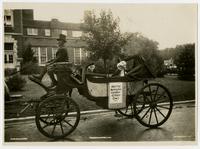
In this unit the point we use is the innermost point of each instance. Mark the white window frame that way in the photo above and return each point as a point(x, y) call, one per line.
point(8, 12)
point(9, 58)
point(36, 53)
point(80, 56)
point(47, 32)
point(54, 50)
point(32, 31)
point(42, 64)
point(7, 55)
point(64, 32)
point(77, 33)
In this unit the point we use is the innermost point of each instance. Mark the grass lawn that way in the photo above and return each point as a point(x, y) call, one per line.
point(180, 90)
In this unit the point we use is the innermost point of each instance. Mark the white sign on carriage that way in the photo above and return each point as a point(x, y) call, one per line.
point(117, 94)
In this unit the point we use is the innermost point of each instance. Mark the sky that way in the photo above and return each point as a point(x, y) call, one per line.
point(168, 24)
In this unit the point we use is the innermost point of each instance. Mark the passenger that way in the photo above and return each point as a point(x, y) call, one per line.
point(91, 68)
point(61, 56)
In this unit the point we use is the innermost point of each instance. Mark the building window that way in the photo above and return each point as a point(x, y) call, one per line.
point(76, 33)
point(8, 46)
point(5, 58)
point(64, 32)
point(8, 58)
point(32, 31)
point(47, 32)
point(80, 54)
point(54, 50)
point(43, 55)
point(8, 17)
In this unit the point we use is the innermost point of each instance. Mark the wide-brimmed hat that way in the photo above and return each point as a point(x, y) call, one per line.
point(62, 37)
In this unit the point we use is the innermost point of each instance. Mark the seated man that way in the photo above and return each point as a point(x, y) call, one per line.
point(61, 56)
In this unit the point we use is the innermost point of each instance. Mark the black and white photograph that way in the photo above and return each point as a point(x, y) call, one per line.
point(100, 73)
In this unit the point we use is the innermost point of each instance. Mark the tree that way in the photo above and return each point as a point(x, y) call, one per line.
point(185, 61)
point(138, 44)
point(28, 54)
point(29, 63)
point(168, 53)
point(103, 36)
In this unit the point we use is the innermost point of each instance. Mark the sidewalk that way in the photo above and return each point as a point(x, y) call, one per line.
point(104, 126)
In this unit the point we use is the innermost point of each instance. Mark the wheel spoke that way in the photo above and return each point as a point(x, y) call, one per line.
point(162, 94)
point(45, 126)
point(156, 93)
point(53, 129)
point(150, 92)
point(68, 123)
point(47, 117)
point(61, 128)
point(160, 112)
point(145, 114)
point(146, 99)
point(155, 115)
point(126, 110)
point(143, 107)
point(163, 107)
point(150, 117)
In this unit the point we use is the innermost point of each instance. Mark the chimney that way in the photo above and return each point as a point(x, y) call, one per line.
point(27, 14)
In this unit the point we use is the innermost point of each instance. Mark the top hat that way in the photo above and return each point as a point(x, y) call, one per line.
point(62, 37)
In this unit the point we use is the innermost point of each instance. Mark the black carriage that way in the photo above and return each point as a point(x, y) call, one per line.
point(133, 95)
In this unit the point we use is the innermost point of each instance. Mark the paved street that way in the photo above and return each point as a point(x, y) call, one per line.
point(105, 126)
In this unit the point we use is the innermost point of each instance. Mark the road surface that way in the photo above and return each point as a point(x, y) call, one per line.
point(105, 127)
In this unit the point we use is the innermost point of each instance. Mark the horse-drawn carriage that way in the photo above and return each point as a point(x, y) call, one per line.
point(57, 114)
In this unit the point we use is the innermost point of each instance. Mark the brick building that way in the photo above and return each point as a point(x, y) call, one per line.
point(13, 37)
point(21, 31)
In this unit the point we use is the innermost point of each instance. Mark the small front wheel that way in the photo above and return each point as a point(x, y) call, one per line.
point(57, 116)
point(153, 105)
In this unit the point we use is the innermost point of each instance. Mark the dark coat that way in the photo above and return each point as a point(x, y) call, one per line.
point(62, 55)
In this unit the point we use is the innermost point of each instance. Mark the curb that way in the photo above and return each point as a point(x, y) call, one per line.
point(84, 112)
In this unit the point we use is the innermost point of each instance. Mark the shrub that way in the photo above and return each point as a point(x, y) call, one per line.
point(9, 71)
point(30, 68)
point(15, 83)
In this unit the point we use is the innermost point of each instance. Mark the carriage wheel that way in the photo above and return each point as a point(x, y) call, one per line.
point(57, 116)
point(153, 105)
point(128, 111)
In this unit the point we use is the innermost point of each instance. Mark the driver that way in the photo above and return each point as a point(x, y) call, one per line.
point(61, 56)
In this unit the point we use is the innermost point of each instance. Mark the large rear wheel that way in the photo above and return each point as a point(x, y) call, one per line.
point(153, 105)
